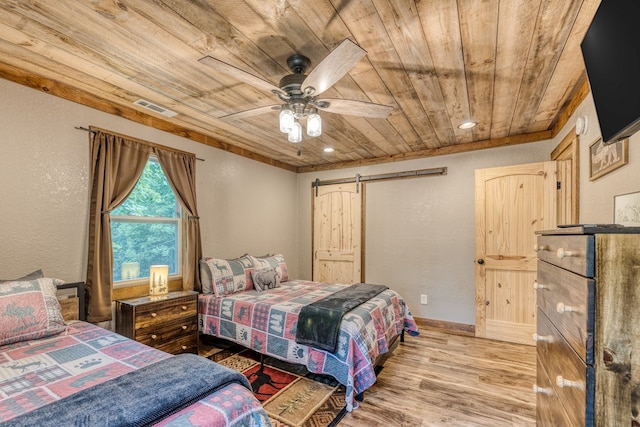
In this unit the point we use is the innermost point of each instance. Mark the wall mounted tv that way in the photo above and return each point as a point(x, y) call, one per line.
point(611, 51)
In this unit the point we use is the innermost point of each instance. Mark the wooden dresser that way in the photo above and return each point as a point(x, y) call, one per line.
point(588, 331)
point(168, 323)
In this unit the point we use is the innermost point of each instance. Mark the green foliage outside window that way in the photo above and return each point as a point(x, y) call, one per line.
point(145, 229)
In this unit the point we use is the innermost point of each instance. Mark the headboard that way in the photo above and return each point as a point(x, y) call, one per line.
point(72, 300)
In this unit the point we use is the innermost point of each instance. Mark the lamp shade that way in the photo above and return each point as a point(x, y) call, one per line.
point(295, 135)
point(314, 124)
point(286, 119)
point(158, 280)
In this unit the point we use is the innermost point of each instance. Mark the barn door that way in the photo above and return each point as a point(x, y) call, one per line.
point(511, 204)
point(337, 233)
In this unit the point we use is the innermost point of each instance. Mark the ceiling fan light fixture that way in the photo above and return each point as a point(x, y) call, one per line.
point(467, 125)
point(314, 123)
point(286, 119)
point(295, 134)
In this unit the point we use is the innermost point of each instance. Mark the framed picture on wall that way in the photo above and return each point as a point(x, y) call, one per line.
point(626, 209)
point(607, 158)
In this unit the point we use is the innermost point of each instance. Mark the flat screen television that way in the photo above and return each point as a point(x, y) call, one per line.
point(611, 51)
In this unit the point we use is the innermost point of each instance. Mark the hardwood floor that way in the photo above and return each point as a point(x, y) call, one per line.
point(441, 379)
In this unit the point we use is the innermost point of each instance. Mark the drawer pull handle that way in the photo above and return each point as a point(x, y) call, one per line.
point(538, 247)
point(537, 285)
point(543, 390)
point(184, 327)
point(154, 314)
point(154, 336)
point(543, 338)
point(561, 308)
point(562, 382)
point(184, 307)
point(184, 347)
point(562, 253)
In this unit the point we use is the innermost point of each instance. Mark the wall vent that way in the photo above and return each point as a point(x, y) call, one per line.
point(155, 107)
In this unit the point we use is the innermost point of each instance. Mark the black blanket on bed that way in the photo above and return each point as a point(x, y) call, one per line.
point(138, 398)
point(319, 322)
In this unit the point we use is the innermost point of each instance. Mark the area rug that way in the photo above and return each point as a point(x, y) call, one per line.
point(291, 396)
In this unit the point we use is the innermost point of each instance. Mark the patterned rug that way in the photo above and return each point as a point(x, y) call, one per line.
point(291, 396)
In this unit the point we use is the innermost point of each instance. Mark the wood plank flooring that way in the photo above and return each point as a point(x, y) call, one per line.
point(441, 379)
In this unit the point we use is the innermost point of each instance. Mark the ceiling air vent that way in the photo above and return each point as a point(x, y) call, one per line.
point(155, 107)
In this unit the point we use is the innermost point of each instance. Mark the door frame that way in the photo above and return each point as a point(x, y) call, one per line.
point(569, 150)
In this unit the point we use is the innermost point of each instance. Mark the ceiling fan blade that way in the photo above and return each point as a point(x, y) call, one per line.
point(334, 66)
point(239, 74)
point(251, 113)
point(355, 108)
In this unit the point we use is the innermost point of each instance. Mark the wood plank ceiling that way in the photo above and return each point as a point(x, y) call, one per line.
point(512, 66)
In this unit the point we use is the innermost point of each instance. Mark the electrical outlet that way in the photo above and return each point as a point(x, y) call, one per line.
point(423, 299)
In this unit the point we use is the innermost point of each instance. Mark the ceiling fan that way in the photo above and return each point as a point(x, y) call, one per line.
point(300, 93)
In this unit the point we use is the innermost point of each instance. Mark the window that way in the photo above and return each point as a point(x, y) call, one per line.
point(147, 228)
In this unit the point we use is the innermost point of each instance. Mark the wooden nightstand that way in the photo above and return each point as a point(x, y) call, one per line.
point(169, 324)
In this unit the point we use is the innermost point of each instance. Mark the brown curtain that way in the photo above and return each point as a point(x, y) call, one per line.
point(180, 170)
point(116, 165)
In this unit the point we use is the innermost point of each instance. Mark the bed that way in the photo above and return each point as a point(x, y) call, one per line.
point(251, 301)
point(57, 372)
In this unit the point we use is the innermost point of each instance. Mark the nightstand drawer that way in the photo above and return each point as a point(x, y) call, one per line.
point(567, 300)
point(165, 311)
point(573, 253)
point(183, 345)
point(157, 335)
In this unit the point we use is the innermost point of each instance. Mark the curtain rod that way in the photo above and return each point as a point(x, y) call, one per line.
point(136, 139)
point(385, 176)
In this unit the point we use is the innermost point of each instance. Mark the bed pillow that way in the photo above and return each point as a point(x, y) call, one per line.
point(274, 261)
point(38, 274)
point(29, 310)
point(229, 276)
point(205, 276)
point(265, 278)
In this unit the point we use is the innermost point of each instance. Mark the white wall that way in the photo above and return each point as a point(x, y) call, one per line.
point(596, 197)
point(420, 231)
point(245, 206)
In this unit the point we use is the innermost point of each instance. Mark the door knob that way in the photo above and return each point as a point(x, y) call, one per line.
point(480, 261)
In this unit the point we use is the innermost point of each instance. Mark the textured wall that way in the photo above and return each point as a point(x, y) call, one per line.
point(420, 231)
point(245, 206)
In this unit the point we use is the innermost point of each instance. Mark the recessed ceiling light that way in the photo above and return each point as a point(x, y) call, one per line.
point(467, 125)
point(329, 150)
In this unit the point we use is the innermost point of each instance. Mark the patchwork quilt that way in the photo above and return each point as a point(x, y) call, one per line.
point(266, 322)
point(35, 373)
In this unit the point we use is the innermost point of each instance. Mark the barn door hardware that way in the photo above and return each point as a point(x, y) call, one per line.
point(381, 177)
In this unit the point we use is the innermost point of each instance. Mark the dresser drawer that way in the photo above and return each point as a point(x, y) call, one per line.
point(549, 410)
point(165, 311)
point(567, 372)
point(573, 253)
point(568, 301)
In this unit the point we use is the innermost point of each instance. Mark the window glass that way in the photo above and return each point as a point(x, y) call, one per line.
point(146, 228)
